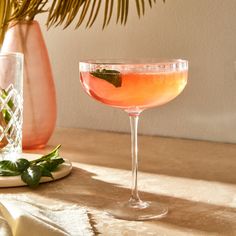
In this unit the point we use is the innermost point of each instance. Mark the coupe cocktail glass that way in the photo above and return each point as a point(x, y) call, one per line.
point(134, 86)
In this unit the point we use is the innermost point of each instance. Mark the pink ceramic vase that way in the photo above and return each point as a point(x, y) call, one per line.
point(39, 114)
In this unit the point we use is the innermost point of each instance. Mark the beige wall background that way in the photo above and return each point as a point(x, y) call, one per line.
point(202, 31)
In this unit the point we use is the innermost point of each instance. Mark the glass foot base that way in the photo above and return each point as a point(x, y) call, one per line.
point(138, 211)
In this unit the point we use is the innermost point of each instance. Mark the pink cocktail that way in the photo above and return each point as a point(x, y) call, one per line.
point(134, 87)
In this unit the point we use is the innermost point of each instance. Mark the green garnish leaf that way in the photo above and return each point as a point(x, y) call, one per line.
point(111, 76)
point(32, 171)
point(32, 176)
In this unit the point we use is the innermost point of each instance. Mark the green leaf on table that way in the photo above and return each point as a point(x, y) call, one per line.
point(7, 172)
point(8, 168)
point(32, 176)
point(13, 167)
point(32, 171)
point(51, 164)
point(22, 164)
point(45, 172)
point(52, 155)
point(111, 76)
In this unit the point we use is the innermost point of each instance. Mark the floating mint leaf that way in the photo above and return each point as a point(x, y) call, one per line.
point(111, 76)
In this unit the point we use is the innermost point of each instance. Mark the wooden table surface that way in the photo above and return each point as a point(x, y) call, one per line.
point(196, 179)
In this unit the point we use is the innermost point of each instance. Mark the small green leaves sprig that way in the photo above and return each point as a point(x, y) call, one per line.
point(111, 76)
point(32, 171)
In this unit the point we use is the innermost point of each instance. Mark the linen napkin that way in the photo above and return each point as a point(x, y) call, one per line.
point(20, 218)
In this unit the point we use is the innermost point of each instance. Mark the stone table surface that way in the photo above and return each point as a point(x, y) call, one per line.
point(196, 179)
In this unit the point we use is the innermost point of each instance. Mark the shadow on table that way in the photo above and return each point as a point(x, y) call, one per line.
point(83, 188)
point(188, 160)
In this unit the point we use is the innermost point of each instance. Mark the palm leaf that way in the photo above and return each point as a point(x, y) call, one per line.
point(84, 12)
point(91, 20)
point(64, 12)
point(17, 10)
point(118, 11)
point(126, 11)
point(143, 6)
point(72, 13)
point(27, 9)
point(5, 13)
point(106, 13)
point(122, 11)
point(89, 9)
point(110, 12)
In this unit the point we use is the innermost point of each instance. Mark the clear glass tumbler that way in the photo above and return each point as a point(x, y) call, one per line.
point(11, 104)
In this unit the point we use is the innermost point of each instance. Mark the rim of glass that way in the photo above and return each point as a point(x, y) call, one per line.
point(162, 65)
point(12, 54)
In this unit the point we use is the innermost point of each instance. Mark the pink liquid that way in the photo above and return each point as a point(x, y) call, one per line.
point(138, 90)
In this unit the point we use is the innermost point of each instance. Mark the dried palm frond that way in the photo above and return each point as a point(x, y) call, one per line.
point(5, 14)
point(27, 9)
point(65, 11)
point(18, 10)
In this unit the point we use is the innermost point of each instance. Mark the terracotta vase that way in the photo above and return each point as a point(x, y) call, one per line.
point(39, 115)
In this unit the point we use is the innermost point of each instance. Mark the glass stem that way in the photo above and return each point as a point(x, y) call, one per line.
point(134, 117)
